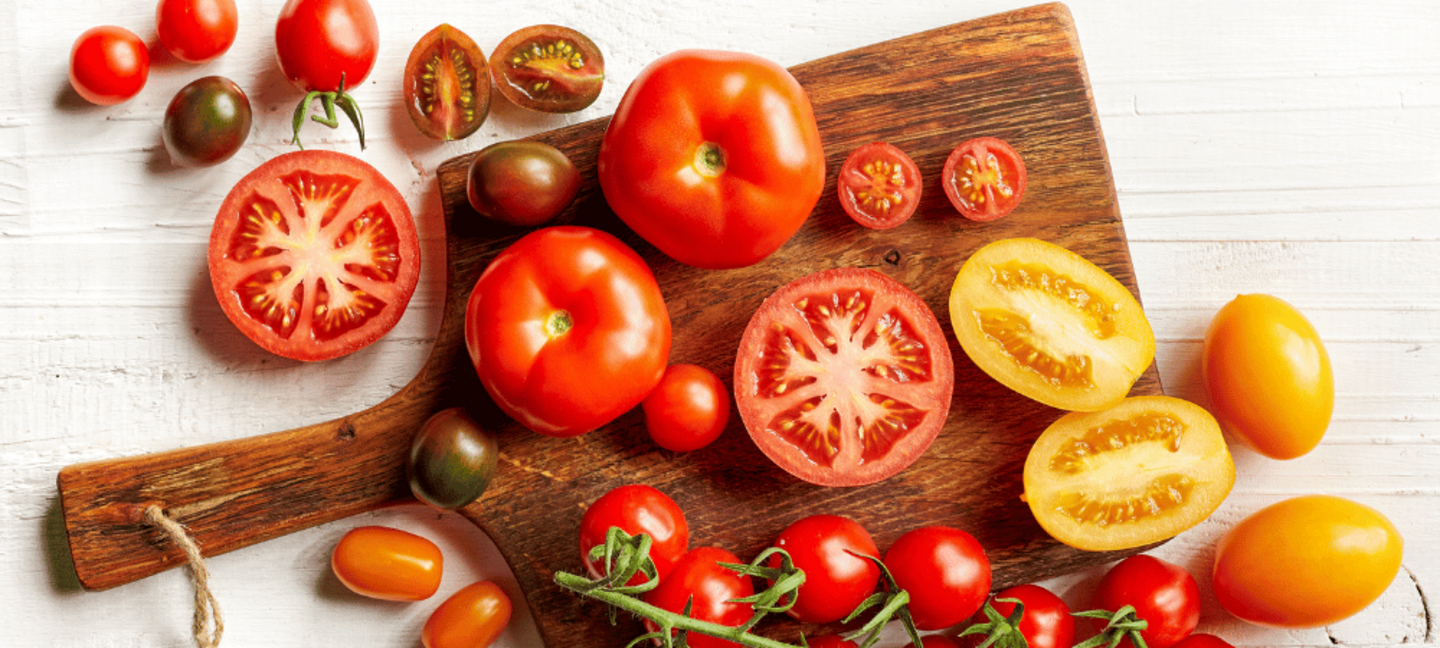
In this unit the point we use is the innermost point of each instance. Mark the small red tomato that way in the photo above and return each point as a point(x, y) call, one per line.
point(1044, 623)
point(389, 564)
point(946, 572)
point(830, 641)
point(688, 409)
point(196, 31)
point(108, 65)
point(879, 186)
point(1163, 594)
point(837, 580)
point(984, 178)
point(471, 618)
point(635, 509)
point(937, 641)
point(700, 581)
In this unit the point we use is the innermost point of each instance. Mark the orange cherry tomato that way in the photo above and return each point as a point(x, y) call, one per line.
point(389, 564)
point(471, 618)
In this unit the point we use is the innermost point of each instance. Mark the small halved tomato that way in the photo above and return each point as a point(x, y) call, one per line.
point(843, 377)
point(1049, 324)
point(446, 87)
point(314, 255)
point(879, 186)
point(1137, 473)
point(548, 68)
point(984, 178)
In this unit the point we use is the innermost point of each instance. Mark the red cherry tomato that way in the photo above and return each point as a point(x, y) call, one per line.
point(843, 377)
point(471, 618)
point(1163, 594)
point(688, 409)
point(713, 157)
point(636, 509)
point(1044, 623)
point(699, 580)
point(984, 178)
point(319, 41)
point(314, 255)
point(108, 65)
point(836, 579)
point(196, 31)
point(830, 641)
point(946, 572)
point(937, 641)
point(879, 186)
point(389, 564)
point(567, 330)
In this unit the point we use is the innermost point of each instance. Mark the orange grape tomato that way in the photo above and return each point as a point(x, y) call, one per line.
point(388, 564)
point(471, 618)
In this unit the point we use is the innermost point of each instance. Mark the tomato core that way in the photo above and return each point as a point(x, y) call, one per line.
point(559, 323)
point(710, 160)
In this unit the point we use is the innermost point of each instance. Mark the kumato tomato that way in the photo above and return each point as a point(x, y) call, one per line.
point(452, 460)
point(879, 186)
point(1139, 472)
point(108, 65)
point(471, 618)
point(548, 68)
point(522, 183)
point(843, 377)
point(446, 86)
point(207, 122)
point(1050, 324)
point(1306, 562)
point(1268, 376)
point(388, 564)
point(984, 178)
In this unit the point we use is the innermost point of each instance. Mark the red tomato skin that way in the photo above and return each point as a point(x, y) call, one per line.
point(699, 575)
point(611, 353)
point(688, 409)
point(388, 564)
point(636, 508)
point(1046, 623)
point(830, 641)
point(108, 65)
point(836, 581)
point(1202, 640)
point(651, 168)
point(946, 572)
point(471, 618)
point(319, 41)
point(196, 31)
point(1163, 593)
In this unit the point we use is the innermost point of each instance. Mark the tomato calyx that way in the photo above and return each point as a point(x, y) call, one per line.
point(1000, 631)
point(559, 323)
point(329, 101)
point(1124, 623)
point(710, 160)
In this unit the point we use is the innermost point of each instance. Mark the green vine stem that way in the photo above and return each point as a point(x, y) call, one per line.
point(1121, 624)
point(329, 101)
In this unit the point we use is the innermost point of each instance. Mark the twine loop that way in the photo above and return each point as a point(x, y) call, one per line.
point(207, 625)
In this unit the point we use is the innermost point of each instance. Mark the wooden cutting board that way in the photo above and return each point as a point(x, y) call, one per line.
point(1018, 76)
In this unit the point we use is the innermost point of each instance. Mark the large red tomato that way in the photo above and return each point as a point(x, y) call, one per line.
point(568, 330)
point(713, 157)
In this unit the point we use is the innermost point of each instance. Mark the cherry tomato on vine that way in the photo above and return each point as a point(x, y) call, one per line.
point(325, 48)
point(879, 186)
point(830, 641)
point(946, 572)
point(522, 183)
point(207, 122)
point(688, 409)
point(548, 68)
point(699, 579)
point(446, 87)
point(836, 579)
point(452, 460)
point(984, 178)
point(1163, 594)
point(196, 31)
point(636, 509)
point(471, 618)
point(388, 564)
point(1045, 620)
point(108, 65)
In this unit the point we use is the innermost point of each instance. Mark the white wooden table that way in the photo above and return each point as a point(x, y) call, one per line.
point(1290, 148)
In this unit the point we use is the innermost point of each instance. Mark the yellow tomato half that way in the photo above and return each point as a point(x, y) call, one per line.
point(1306, 562)
point(1050, 324)
point(1137, 473)
point(1268, 376)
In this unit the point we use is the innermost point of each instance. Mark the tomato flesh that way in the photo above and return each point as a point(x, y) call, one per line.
point(446, 88)
point(548, 68)
point(984, 178)
point(879, 186)
point(843, 377)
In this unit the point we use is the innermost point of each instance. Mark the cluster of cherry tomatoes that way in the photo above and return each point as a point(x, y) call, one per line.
point(879, 185)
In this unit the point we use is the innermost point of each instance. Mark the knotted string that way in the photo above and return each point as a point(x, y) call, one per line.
point(207, 625)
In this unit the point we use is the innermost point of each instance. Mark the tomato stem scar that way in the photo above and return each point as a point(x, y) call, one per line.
point(710, 159)
point(559, 323)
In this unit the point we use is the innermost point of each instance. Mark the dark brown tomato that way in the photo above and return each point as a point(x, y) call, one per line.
point(206, 122)
point(447, 84)
point(521, 183)
point(548, 68)
point(452, 460)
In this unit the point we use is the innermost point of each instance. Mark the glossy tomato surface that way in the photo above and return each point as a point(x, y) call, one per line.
point(446, 85)
point(1163, 594)
point(314, 255)
point(389, 564)
point(946, 572)
point(636, 509)
point(843, 377)
point(984, 178)
point(108, 65)
point(713, 157)
point(319, 42)
point(1045, 620)
point(548, 68)
point(1050, 324)
point(879, 186)
point(1268, 376)
point(470, 618)
point(452, 460)
point(207, 122)
point(522, 183)
point(196, 31)
point(688, 409)
point(1307, 561)
point(567, 330)
point(1137, 473)
point(837, 579)
point(699, 580)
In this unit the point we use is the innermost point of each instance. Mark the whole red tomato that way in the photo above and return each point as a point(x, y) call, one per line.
point(325, 47)
point(196, 31)
point(688, 409)
point(837, 580)
point(946, 572)
point(568, 330)
point(713, 157)
point(635, 509)
point(698, 579)
point(1045, 620)
point(1164, 595)
point(108, 65)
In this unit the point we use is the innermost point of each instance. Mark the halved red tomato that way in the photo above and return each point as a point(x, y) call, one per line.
point(313, 255)
point(548, 68)
point(984, 178)
point(843, 377)
point(446, 87)
point(879, 186)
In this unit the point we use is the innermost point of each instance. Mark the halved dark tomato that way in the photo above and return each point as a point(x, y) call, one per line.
point(879, 186)
point(843, 377)
point(313, 255)
point(984, 178)
point(548, 68)
point(447, 84)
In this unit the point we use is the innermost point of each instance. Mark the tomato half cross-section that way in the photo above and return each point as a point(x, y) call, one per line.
point(567, 330)
point(843, 377)
point(713, 157)
point(313, 255)
point(984, 178)
point(1050, 324)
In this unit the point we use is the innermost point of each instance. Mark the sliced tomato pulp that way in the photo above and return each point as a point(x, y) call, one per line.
point(314, 255)
point(879, 186)
point(843, 377)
